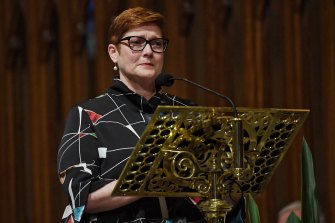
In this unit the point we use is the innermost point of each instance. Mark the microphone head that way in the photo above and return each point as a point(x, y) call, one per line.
point(164, 80)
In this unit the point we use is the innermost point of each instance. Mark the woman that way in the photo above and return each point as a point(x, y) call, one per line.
point(101, 133)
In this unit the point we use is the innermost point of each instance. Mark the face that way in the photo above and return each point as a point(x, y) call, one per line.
point(141, 67)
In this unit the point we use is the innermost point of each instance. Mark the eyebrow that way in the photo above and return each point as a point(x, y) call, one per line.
point(155, 37)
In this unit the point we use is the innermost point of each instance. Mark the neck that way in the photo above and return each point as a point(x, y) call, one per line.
point(145, 88)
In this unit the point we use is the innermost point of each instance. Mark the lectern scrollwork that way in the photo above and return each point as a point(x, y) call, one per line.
point(189, 151)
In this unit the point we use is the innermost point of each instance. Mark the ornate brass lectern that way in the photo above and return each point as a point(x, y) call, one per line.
point(189, 151)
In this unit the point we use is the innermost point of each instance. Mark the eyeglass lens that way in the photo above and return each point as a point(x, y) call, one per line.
point(138, 43)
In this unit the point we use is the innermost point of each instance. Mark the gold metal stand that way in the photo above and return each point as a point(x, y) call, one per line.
point(193, 151)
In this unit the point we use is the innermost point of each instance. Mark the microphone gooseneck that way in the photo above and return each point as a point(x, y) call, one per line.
point(168, 80)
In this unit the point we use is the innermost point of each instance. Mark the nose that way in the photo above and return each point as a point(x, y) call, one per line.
point(147, 49)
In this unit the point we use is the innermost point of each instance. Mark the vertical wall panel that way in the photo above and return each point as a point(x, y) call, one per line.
point(179, 29)
point(249, 54)
point(12, 137)
point(66, 75)
point(2, 101)
point(4, 5)
point(211, 46)
point(291, 73)
point(42, 111)
point(175, 56)
point(75, 78)
point(105, 11)
point(80, 70)
point(37, 116)
point(327, 34)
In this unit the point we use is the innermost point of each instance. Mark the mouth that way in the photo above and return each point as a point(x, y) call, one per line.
point(147, 64)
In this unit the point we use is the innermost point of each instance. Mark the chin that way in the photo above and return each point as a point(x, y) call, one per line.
point(149, 74)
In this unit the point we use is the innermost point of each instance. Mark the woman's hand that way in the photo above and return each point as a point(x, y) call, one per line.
point(101, 200)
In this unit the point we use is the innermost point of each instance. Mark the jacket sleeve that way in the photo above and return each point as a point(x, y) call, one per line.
point(78, 162)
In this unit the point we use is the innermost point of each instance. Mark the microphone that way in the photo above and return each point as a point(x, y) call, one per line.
point(167, 80)
point(164, 80)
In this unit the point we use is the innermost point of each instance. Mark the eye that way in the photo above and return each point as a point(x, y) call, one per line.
point(157, 42)
point(136, 40)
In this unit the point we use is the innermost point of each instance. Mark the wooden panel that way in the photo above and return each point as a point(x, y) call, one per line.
point(175, 57)
point(42, 108)
point(327, 33)
point(2, 118)
point(291, 72)
point(12, 150)
point(38, 122)
point(248, 59)
point(105, 11)
point(65, 44)
point(75, 78)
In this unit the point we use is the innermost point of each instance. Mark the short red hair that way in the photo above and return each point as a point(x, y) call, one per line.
point(132, 18)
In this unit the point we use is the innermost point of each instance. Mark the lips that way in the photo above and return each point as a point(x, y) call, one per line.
point(147, 64)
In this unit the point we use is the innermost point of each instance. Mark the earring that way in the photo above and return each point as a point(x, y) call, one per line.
point(115, 67)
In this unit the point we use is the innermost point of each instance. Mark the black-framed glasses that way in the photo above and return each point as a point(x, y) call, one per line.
point(137, 43)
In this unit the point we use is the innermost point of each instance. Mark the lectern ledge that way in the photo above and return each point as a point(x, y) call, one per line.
point(190, 151)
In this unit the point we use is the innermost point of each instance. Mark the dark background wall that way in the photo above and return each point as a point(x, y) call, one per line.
point(261, 53)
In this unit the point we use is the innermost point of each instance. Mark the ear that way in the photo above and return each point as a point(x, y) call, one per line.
point(113, 52)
